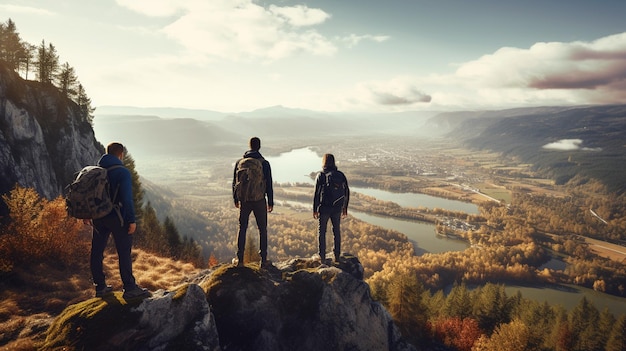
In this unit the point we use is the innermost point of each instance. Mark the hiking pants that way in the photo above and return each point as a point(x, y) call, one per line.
point(260, 214)
point(334, 214)
point(102, 228)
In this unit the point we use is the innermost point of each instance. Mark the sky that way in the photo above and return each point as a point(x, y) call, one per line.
point(335, 55)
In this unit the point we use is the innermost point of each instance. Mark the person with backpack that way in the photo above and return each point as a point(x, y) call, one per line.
point(330, 201)
point(120, 223)
point(252, 183)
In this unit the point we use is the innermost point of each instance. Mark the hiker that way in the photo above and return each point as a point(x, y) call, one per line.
point(120, 223)
point(252, 182)
point(330, 201)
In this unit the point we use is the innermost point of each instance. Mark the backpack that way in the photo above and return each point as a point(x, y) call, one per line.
point(334, 189)
point(250, 183)
point(89, 196)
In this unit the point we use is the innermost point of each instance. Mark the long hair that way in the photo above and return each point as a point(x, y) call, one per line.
point(328, 161)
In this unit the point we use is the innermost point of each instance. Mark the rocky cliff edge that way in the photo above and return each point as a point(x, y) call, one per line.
point(293, 305)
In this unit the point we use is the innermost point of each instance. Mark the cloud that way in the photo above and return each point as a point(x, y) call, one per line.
point(354, 39)
point(569, 145)
point(240, 30)
point(400, 92)
point(588, 72)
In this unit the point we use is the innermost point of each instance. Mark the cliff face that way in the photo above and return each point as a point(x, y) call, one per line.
point(43, 140)
point(293, 305)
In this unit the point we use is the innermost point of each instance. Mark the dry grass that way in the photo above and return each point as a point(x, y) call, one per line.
point(31, 297)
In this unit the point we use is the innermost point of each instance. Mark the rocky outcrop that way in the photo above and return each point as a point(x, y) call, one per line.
point(43, 139)
point(295, 305)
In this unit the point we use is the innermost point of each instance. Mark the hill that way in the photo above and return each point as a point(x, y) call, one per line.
point(575, 143)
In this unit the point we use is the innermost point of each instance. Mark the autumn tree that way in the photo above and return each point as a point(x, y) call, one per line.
point(513, 336)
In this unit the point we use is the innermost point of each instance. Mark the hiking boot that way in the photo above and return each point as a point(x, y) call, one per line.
point(136, 292)
point(266, 264)
point(108, 289)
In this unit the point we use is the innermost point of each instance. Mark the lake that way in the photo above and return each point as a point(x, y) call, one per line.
point(296, 165)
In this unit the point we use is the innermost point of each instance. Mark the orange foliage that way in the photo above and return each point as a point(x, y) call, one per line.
point(40, 230)
point(456, 332)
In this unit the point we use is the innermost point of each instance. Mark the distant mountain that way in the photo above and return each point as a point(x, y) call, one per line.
point(588, 141)
point(152, 137)
point(155, 130)
point(164, 112)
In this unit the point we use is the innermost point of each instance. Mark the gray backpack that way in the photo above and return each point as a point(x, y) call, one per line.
point(89, 195)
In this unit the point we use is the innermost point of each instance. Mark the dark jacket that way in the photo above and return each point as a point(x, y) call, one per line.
point(120, 177)
point(319, 185)
point(267, 174)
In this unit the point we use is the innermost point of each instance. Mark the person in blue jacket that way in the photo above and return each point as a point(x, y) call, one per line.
point(120, 223)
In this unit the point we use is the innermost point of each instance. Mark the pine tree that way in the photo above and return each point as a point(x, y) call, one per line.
point(406, 306)
point(583, 320)
point(458, 303)
point(172, 237)
point(617, 337)
point(491, 307)
point(47, 62)
point(12, 50)
point(84, 104)
point(66, 81)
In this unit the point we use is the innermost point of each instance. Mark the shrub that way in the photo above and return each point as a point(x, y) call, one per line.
point(39, 231)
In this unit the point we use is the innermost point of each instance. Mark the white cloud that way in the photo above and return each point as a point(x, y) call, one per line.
point(569, 145)
point(354, 39)
point(240, 30)
point(300, 16)
point(588, 72)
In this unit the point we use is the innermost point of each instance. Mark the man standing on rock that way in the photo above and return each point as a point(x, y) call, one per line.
point(252, 183)
point(120, 223)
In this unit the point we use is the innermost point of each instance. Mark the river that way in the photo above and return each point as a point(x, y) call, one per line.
point(296, 165)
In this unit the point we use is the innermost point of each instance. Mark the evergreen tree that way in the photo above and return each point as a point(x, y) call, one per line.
point(47, 62)
point(584, 320)
point(491, 307)
point(84, 104)
point(66, 81)
point(172, 237)
point(12, 50)
point(458, 303)
point(151, 235)
point(29, 54)
point(406, 305)
point(617, 337)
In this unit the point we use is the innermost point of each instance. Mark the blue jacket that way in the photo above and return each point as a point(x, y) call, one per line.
point(267, 174)
point(120, 177)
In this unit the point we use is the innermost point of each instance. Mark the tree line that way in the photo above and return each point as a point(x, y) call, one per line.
point(43, 60)
point(486, 319)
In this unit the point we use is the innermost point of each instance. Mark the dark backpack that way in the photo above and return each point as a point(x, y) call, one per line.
point(334, 189)
point(89, 195)
point(250, 182)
